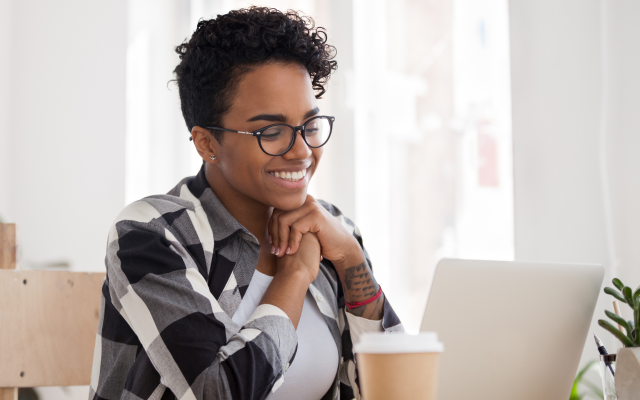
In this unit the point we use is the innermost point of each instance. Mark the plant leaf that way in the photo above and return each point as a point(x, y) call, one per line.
point(576, 382)
point(595, 389)
point(636, 316)
point(617, 283)
point(618, 320)
point(614, 293)
point(630, 332)
point(628, 295)
point(574, 390)
point(584, 370)
point(636, 294)
point(625, 340)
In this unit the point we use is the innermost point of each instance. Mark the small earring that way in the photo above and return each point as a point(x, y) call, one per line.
point(213, 158)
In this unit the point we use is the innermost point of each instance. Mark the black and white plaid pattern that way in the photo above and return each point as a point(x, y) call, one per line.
point(178, 266)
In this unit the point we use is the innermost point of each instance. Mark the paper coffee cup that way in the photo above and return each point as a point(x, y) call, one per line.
point(398, 366)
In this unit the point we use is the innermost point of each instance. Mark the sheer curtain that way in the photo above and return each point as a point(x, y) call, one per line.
point(433, 139)
point(421, 153)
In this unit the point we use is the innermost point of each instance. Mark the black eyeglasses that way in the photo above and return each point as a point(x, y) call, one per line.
point(277, 139)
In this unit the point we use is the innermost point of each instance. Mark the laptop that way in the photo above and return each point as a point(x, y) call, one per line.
point(511, 330)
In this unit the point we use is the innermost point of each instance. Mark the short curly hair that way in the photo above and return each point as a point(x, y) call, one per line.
point(222, 49)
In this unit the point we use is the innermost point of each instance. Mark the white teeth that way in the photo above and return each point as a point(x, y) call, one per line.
point(290, 176)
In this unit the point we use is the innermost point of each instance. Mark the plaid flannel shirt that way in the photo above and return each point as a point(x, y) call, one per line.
point(178, 266)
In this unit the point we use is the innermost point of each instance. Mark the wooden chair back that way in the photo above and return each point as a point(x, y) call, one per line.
point(48, 323)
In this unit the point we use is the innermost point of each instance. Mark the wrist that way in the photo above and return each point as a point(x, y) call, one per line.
point(297, 276)
point(354, 256)
point(362, 303)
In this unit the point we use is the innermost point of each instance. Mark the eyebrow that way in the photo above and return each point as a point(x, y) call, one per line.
point(280, 117)
point(311, 113)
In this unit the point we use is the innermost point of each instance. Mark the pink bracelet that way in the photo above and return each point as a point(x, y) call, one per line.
point(364, 303)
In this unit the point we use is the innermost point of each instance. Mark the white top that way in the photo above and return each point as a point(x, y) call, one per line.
point(314, 368)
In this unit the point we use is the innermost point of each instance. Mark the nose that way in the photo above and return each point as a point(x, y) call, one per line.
point(300, 150)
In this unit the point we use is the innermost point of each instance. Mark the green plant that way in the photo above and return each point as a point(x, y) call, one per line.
point(626, 295)
point(594, 390)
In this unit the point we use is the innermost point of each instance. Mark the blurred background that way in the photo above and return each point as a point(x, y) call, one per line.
point(485, 129)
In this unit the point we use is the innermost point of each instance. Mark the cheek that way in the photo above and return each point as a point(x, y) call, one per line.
point(244, 165)
point(317, 155)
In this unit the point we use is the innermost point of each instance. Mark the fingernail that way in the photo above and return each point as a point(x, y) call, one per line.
point(270, 241)
point(278, 252)
point(288, 250)
point(273, 249)
point(321, 258)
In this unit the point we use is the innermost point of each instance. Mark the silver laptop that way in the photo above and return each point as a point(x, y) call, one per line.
point(511, 330)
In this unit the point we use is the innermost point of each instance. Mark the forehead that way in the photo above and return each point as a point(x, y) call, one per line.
point(274, 88)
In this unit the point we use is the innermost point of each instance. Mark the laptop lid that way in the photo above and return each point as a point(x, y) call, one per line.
point(511, 330)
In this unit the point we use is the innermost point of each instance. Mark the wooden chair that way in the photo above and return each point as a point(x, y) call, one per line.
point(48, 323)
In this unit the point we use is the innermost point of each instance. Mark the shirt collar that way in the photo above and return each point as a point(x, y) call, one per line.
point(223, 225)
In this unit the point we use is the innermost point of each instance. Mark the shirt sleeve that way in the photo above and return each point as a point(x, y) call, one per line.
point(198, 351)
point(359, 326)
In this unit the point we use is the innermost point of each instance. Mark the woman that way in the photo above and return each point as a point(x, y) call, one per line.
point(237, 284)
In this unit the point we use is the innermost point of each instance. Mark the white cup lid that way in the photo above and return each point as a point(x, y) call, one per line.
point(381, 343)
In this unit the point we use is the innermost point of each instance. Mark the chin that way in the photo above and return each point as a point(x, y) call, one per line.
point(291, 202)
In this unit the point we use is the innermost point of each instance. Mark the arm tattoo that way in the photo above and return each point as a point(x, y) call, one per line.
point(361, 285)
point(360, 282)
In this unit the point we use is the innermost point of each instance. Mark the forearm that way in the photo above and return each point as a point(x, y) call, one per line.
point(359, 284)
point(287, 291)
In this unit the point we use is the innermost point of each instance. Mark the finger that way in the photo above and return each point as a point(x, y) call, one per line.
point(273, 230)
point(308, 223)
point(283, 236)
point(285, 222)
point(295, 236)
point(282, 225)
point(299, 227)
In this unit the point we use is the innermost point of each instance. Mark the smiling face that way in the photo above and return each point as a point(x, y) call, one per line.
point(242, 172)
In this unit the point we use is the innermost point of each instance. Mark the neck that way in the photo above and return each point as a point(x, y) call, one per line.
point(251, 214)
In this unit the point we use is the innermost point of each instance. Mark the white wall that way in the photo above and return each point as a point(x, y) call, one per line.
point(6, 38)
point(557, 89)
point(624, 133)
point(62, 125)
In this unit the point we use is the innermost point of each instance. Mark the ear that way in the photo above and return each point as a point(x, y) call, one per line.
point(205, 144)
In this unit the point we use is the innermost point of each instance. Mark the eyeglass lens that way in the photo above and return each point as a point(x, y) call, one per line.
point(277, 139)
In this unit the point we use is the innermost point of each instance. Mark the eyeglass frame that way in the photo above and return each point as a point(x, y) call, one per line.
point(257, 133)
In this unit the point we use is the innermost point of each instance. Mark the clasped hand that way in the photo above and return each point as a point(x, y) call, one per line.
point(286, 229)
